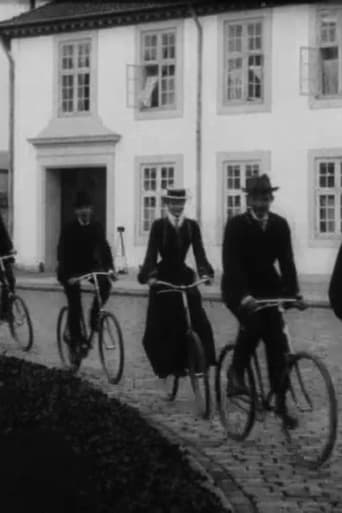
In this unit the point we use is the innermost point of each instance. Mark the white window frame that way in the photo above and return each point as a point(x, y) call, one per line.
point(168, 111)
point(225, 106)
point(317, 238)
point(153, 161)
point(223, 159)
point(75, 39)
point(310, 58)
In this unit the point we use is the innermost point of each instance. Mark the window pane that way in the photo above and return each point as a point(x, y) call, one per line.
point(67, 57)
point(329, 69)
point(167, 177)
point(328, 29)
point(168, 45)
point(235, 38)
point(234, 79)
point(149, 212)
point(327, 213)
point(254, 36)
point(326, 176)
point(150, 47)
point(255, 77)
point(252, 170)
point(84, 55)
point(233, 206)
point(233, 177)
point(150, 179)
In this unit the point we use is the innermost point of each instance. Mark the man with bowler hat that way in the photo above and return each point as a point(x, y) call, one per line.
point(253, 243)
point(83, 248)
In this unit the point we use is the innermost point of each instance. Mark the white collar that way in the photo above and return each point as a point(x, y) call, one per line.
point(82, 223)
point(262, 220)
point(172, 219)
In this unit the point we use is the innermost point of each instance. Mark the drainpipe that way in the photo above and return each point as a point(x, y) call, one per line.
point(6, 44)
point(198, 115)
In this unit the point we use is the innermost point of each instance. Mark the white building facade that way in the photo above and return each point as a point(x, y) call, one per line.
point(112, 106)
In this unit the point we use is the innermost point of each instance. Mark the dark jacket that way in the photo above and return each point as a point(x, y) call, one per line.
point(172, 247)
point(249, 257)
point(82, 249)
point(335, 286)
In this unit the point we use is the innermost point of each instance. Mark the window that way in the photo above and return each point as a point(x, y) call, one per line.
point(244, 61)
point(328, 195)
point(244, 69)
point(235, 175)
point(154, 84)
point(321, 66)
point(155, 180)
point(74, 77)
point(154, 174)
point(158, 69)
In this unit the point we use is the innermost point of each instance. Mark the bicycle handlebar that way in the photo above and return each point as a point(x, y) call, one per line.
point(276, 302)
point(180, 288)
point(89, 276)
point(7, 257)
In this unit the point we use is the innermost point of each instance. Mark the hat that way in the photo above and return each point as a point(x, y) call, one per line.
point(82, 199)
point(259, 184)
point(179, 194)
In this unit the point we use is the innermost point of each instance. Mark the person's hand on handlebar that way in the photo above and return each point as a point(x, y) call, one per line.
point(300, 303)
point(208, 279)
point(112, 275)
point(72, 280)
point(151, 282)
point(249, 304)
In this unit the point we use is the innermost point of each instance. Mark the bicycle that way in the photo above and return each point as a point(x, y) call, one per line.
point(110, 339)
point(18, 319)
point(309, 393)
point(197, 367)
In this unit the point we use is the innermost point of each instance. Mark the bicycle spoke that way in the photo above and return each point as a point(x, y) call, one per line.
point(198, 374)
point(311, 398)
point(20, 323)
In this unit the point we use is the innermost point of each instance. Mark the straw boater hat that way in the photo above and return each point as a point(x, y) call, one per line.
point(259, 185)
point(179, 194)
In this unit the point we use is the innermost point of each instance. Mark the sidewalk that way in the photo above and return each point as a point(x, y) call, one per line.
point(313, 287)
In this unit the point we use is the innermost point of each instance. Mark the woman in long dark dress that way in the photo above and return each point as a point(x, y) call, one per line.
point(170, 239)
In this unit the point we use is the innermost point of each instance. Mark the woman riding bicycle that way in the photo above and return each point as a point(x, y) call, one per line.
point(164, 338)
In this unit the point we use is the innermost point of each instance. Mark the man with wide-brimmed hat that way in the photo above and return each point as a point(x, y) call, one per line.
point(82, 249)
point(253, 243)
point(170, 239)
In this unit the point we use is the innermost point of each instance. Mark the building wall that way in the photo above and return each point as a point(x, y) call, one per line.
point(286, 134)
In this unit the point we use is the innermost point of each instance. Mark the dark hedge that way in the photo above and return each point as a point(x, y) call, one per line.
point(66, 447)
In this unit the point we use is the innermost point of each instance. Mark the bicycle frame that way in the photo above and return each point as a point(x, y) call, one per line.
point(182, 289)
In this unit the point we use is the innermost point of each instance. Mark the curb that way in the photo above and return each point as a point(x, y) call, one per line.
point(141, 291)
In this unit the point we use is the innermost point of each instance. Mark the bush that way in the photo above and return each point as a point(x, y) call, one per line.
point(66, 447)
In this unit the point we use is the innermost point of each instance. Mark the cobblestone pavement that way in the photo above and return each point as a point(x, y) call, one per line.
point(256, 475)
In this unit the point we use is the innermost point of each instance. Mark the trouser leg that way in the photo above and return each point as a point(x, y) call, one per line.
point(246, 341)
point(276, 349)
point(73, 294)
point(5, 302)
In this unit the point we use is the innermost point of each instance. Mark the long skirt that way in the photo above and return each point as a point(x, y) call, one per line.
point(165, 334)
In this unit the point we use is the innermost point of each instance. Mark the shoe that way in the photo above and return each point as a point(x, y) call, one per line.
point(289, 421)
point(236, 384)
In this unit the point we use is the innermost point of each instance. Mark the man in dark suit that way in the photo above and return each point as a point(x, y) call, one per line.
point(253, 243)
point(82, 249)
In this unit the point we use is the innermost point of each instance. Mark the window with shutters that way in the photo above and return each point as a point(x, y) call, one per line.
point(321, 64)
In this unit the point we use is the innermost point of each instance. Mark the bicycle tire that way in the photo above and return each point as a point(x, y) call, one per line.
point(110, 342)
point(171, 385)
point(70, 359)
point(19, 318)
point(232, 407)
point(198, 373)
point(315, 404)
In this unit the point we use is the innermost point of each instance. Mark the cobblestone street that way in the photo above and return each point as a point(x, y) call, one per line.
point(256, 475)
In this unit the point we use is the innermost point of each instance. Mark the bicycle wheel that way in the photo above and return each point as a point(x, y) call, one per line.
point(311, 397)
point(171, 384)
point(20, 323)
point(198, 374)
point(111, 347)
point(70, 359)
point(236, 412)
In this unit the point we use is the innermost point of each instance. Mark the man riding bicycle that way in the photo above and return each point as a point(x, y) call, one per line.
point(82, 249)
point(6, 247)
point(253, 243)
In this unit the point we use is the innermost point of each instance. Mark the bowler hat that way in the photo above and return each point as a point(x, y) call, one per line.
point(82, 199)
point(259, 184)
point(177, 194)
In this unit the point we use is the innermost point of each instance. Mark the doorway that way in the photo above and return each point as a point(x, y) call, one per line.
point(61, 188)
